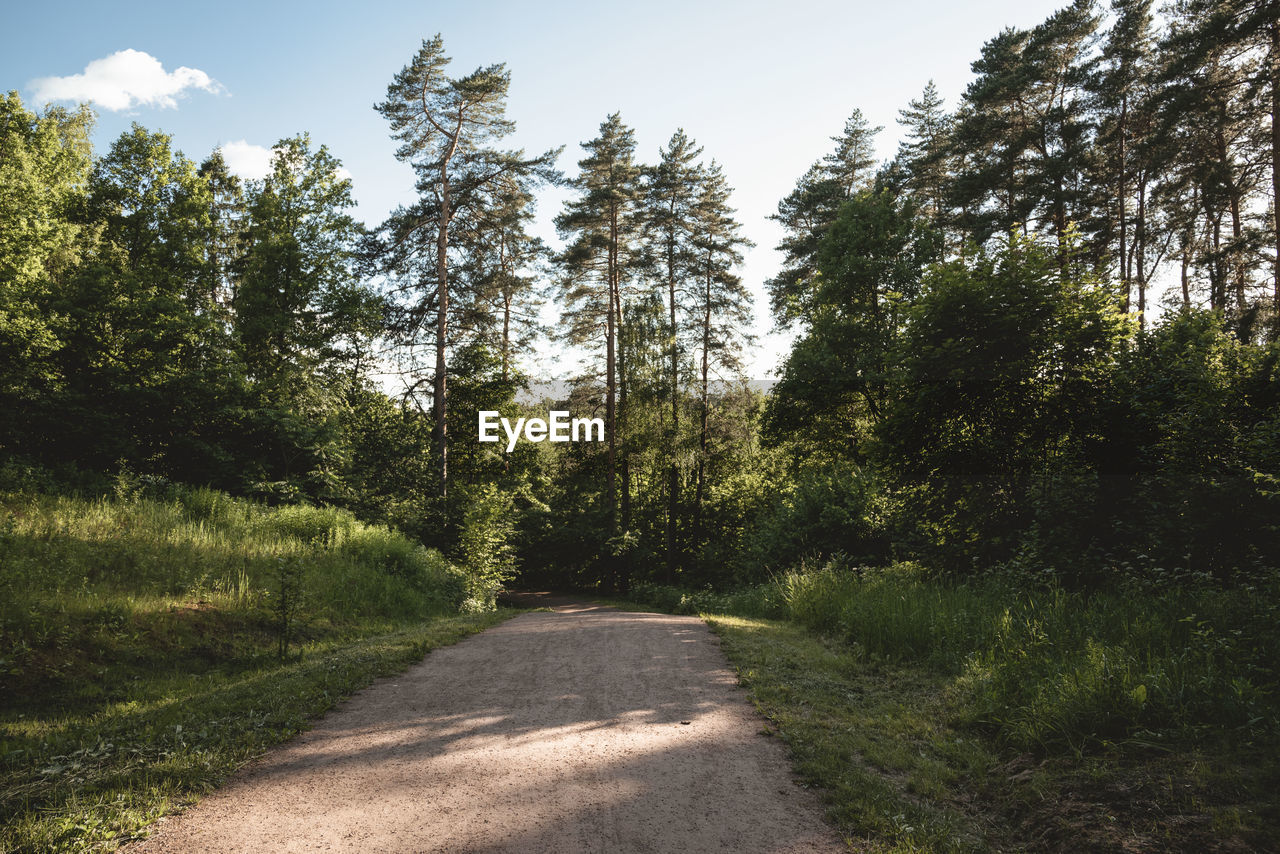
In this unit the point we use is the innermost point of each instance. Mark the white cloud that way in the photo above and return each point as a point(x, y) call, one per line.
point(246, 159)
point(124, 79)
point(254, 161)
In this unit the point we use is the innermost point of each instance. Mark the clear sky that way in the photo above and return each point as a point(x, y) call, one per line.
point(762, 86)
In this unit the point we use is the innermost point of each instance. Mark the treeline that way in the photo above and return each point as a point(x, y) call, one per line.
point(983, 376)
point(165, 319)
point(980, 379)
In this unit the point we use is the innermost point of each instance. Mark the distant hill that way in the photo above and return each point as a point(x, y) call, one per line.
point(557, 390)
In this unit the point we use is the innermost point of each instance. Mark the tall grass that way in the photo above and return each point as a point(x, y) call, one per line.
point(151, 645)
point(81, 576)
point(1046, 668)
point(1049, 668)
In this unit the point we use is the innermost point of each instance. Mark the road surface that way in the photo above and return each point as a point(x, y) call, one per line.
point(581, 729)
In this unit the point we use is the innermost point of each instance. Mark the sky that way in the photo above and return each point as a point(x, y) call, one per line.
point(761, 86)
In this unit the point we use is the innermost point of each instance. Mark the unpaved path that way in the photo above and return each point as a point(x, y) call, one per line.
point(582, 729)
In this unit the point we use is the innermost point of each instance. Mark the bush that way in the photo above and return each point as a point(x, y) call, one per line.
point(836, 510)
point(485, 550)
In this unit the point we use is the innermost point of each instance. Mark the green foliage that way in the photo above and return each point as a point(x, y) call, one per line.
point(839, 509)
point(899, 768)
point(68, 559)
point(1048, 669)
point(43, 177)
point(873, 738)
point(485, 550)
point(1194, 455)
point(835, 383)
point(764, 600)
point(995, 408)
point(1042, 668)
point(808, 211)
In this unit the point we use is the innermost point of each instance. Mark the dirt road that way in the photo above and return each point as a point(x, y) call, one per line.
point(583, 729)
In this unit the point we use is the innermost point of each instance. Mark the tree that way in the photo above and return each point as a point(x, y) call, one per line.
point(721, 307)
point(300, 311)
point(227, 209)
point(599, 229)
point(808, 210)
point(1121, 90)
point(1247, 33)
point(44, 173)
point(670, 218)
point(835, 383)
point(500, 262)
point(925, 155)
point(1023, 117)
point(145, 356)
point(999, 375)
point(447, 127)
point(1215, 152)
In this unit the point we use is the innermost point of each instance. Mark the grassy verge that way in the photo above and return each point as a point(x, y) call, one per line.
point(150, 643)
point(901, 768)
point(1045, 670)
point(90, 780)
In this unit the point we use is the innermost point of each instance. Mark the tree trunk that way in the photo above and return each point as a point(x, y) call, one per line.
point(702, 432)
point(506, 310)
point(625, 462)
point(1275, 154)
point(442, 329)
point(1141, 236)
point(1186, 280)
point(1124, 253)
point(610, 365)
point(1217, 274)
point(1237, 225)
point(673, 473)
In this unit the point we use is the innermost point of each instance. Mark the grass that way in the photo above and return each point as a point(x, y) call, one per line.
point(141, 643)
point(1044, 669)
point(1052, 671)
point(871, 737)
point(888, 748)
point(92, 779)
point(936, 716)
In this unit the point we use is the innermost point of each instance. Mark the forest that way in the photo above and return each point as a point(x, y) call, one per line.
point(1027, 436)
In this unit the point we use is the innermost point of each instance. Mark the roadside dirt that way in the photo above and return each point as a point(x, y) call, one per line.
point(580, 729)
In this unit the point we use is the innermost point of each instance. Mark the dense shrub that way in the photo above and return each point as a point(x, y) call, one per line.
point(79, 572)
point(1043, 667)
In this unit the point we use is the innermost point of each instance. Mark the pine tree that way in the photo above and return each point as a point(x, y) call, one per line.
point(1122, 91)
point(1248, 34)
point(500, 260)
point(670, 216)
point(599, 228)
point(808, 210)
point(1215, 150)
point(721, 307)
point(447, 127)
point(1024, 119)
point(925, 156)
